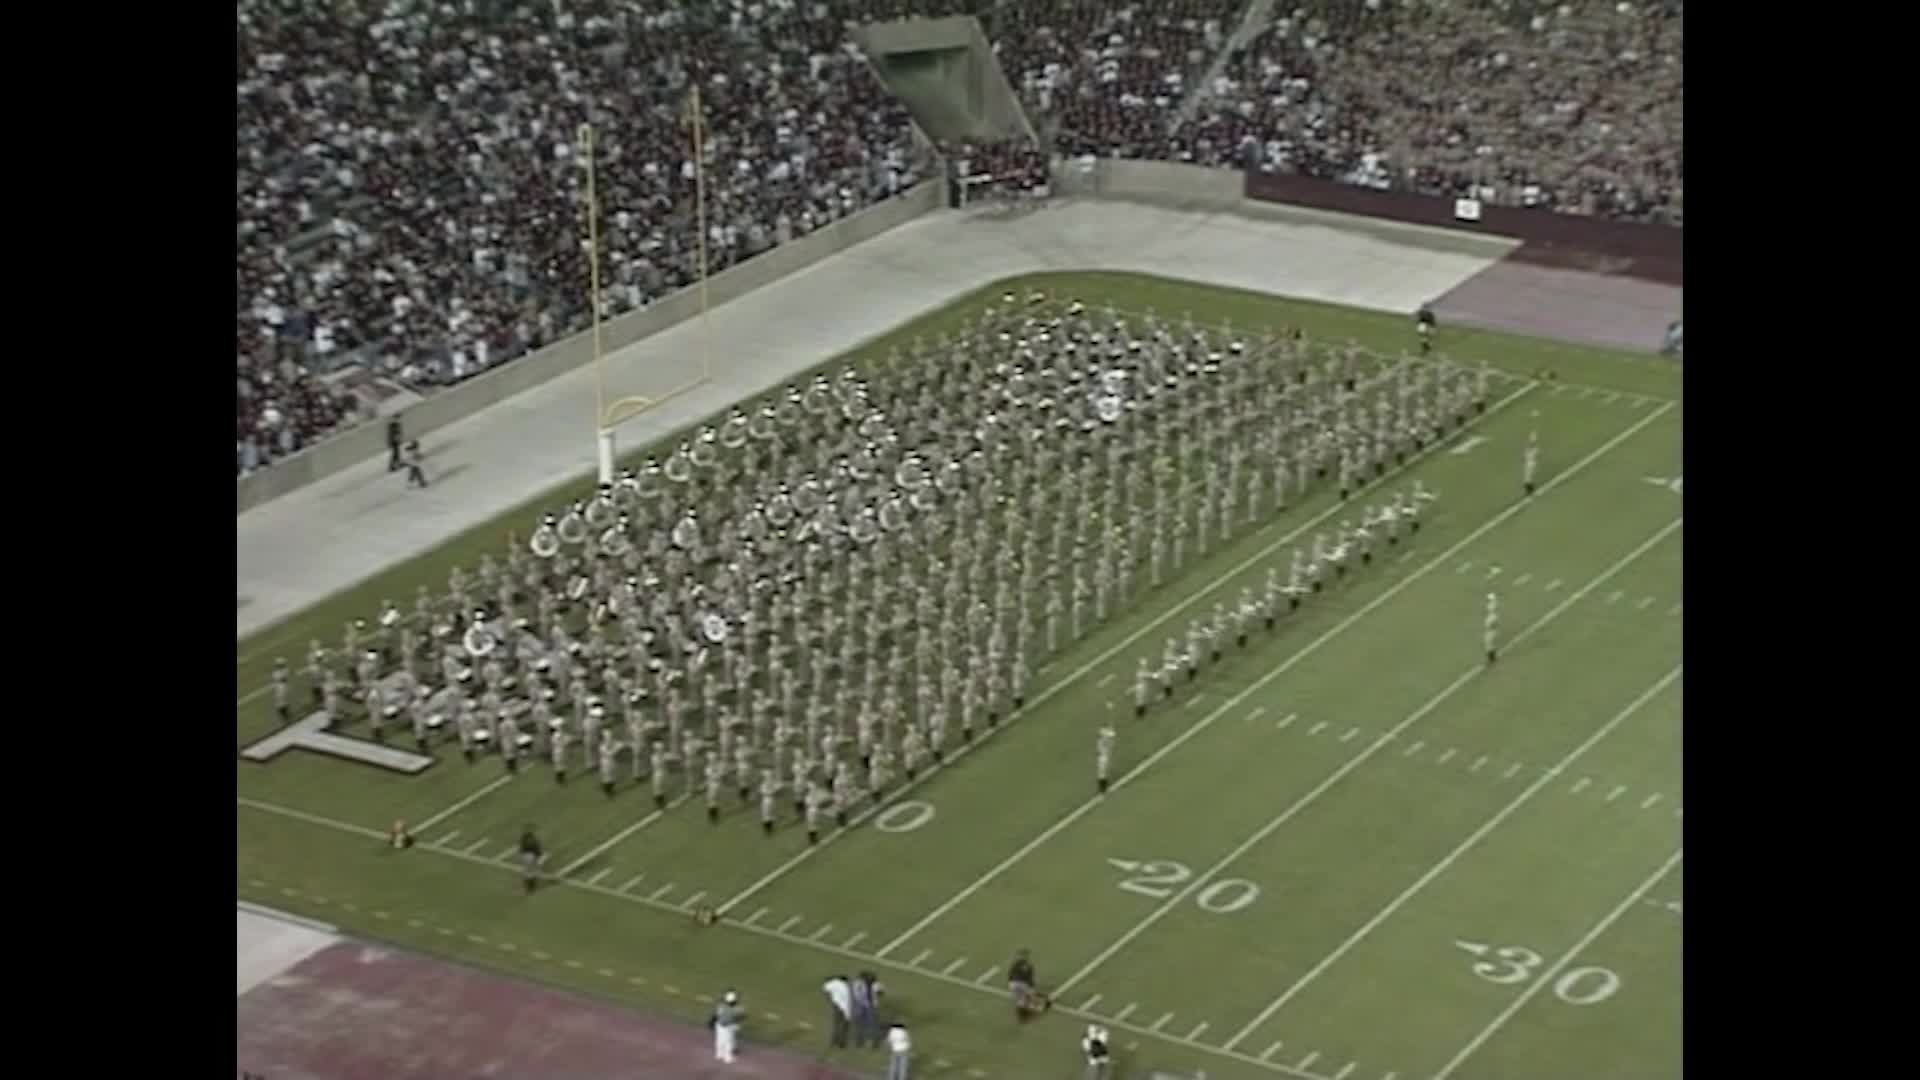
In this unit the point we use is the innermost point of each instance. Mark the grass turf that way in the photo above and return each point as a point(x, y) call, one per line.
point(1294, 827)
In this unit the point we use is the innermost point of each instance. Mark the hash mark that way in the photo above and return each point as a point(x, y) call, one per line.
point(1090, 1003)
point(985, 977)
point(1511, 771)
point(1272, 1050)
point(1257, 710)
point(573, 963)
point(634, 881)
point(1463, 567)
point(1651, 799)
point(1645, 603)
point(1162, 1022)
point(692, 900)
point(924, 953)
point(1195, 1033)
point(1554, 584)
point(1675, 609)
point(1412, 749)
point(822, 932)
point(506, 946)
point(661, 891)
point(1581, 784)
point(636, 980)
point(955, 966)
point(854, 940)
point(476, 939)
point(755, 917)
point(1616, 793)
point(1478, 762)
point(1448, 756)
point(538, 955)
point(1614, 596)
point(1317, 728)
point(1610, 398)
point(788, 925)
point(1307, 1062)
point(604, 871)
point(1585, 393)
point(1344, 1071)
point(1522, 580)
point(1194, 700)
point(605, 973)
point(476, 846)
point(447, 839)
point(1104, 679)
point(505, 853)
point(1288, 720)
point(1348, 737)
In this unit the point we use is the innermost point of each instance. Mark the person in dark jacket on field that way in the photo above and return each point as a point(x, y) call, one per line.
point(396, 442)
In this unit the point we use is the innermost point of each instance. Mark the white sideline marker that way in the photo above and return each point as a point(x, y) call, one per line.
point(1195, 1033)
point(821, 933)
point(955, 966)
point(854, 940)
point(1121, 1016)
point(916, 961)
point(1088, 1005)
point(604, 871)
point(661, 891)
point(637, 879)
point(1162, 1022)
point(1272, 1050)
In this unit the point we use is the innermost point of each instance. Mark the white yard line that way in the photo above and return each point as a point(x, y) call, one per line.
point(1258, 684)
point(1553, 970)
point(1433, 873)
point(443, 815)
point(608, 845)
point(1356, 761)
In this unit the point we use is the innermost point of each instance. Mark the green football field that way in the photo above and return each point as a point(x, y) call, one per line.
point(1350, 851)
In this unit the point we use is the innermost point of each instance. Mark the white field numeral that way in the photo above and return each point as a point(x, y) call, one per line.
point(1160, 878)
point(1510, 964)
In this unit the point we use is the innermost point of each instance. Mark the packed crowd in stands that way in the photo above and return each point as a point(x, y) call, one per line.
point(410, 194)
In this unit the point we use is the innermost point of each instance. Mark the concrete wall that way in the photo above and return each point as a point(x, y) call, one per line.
point(458, 402)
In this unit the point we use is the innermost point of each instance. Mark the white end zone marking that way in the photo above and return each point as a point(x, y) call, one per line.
point(788, 925)
point(1121, 1016)
point(955, 966)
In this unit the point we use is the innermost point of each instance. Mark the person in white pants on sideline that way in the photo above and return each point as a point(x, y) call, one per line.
point(726, 1027)
point(899, 1045)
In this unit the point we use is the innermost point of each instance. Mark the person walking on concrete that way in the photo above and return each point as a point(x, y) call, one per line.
point(416, 466)
point(396, 441)
point(840, 998)
point(866, 1017)
point(899, 1046)
point(726, 1027)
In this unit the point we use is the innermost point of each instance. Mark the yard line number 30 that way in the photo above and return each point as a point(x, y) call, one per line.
point(1159, 878)
point(1508, 964)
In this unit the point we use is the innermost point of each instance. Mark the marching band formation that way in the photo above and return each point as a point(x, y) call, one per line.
point(820, 595)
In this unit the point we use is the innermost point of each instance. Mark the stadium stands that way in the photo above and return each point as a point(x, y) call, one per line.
point(408, 194)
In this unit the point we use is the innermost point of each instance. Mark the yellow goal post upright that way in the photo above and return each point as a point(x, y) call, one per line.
point(608, 415)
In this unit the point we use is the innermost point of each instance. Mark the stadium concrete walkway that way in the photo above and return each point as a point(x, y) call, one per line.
point(326, 537)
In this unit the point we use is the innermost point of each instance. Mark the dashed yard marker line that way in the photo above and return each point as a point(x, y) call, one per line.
point(1553, 970)
point(1150, 626)
point(1473, 839)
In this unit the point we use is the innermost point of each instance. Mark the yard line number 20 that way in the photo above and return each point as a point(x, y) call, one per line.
point(1508, 964)
point(1159, 878)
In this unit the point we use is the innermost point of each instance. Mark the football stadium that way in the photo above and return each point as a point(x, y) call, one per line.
point(891, 539)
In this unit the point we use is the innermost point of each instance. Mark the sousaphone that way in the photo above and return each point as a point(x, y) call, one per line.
point(546, 538)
